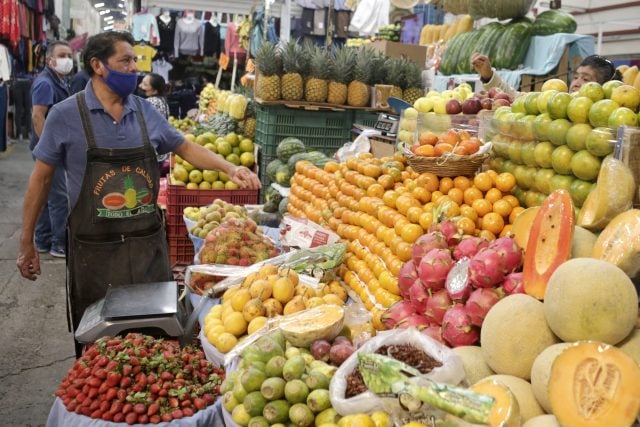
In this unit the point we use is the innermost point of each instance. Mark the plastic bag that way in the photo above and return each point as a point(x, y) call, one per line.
point(451, 372)
point(358, 320)
point(619, 243)
point(303, 233)
point(360, 145)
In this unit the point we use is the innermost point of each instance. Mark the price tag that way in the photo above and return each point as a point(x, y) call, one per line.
point(223, 61)
point(250, 67)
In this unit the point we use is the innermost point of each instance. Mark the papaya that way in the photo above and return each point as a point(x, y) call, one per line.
point(614, 193)
point(619, 243)
point(521, 227)
point(549, 243)
point(593, 384)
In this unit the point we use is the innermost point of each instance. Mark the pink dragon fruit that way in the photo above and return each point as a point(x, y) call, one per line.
point(457, 284)
point(450, 231)
point(485, 269)
point(510, 253)
point(480, 302)
point(469, 247)
point(434, 267)
point(418, 295)
point(435, 332)
point(425, 243)
point(457, 329)
point(414, 321)
point(437, 305)
point(397, 312)
point(513, 284)
point(408, 275)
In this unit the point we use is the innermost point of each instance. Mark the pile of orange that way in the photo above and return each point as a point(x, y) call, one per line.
point(452, 141)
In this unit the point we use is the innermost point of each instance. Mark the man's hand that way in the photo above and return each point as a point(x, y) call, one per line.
point(245, 178)
point(28, 262)
point(482, 65)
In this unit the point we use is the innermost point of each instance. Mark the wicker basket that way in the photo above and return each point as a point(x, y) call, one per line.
point(450, 165)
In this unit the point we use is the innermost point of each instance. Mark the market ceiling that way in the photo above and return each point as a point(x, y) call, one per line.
point(111, 10)
point(221, 6)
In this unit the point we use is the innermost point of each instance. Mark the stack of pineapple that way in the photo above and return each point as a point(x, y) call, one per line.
point(293, 73)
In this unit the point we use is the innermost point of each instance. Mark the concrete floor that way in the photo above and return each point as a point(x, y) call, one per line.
point(35, 347)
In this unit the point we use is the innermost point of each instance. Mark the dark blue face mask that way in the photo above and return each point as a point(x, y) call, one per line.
point(124, 84)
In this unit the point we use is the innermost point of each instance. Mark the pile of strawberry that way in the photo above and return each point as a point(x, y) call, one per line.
point(139, 379)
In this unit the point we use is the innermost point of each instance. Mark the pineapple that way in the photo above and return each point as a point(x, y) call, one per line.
point(268, 64)
point(294, 63)
point(395, 76)
point(317, 86)
point(379, 73)
point(250, 121)
point(413, 82)
point(358, 91)
point(341, 67)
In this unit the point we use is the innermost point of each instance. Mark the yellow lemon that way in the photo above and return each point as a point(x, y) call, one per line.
point(240, 298)
point(256, 324)
point(381, 419)
point(216, 311)
point(226, 342)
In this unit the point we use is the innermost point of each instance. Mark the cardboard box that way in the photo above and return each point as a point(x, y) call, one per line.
point(399, 50)
point(382, 146)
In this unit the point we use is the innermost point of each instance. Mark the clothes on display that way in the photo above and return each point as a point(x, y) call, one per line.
point(188, 36)
point(145, 28)
point(4, 108)
point(166, 29)
point(232, 45)
point(144, 54)
point(369, 16)
point(212, 40)
point(21, 96)
point(5, 63)
point(162, 67)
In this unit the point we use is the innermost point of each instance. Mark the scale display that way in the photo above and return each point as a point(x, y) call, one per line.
point(387, 124)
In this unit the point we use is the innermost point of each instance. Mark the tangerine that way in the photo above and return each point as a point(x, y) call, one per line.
point(471, 194)
point(468, 212)
point(461, 182)
point(482, 206)
point(493, 195)
point(442, 148)
point(486, 234)
point(505, 182)
point(502, 208)
point(493, 222)
point(375, 190)
point(422, 194)
point(390, 197)
point(410, 234)
point(429, 181)
point(446, 184)
point(413, 214)
point(456, 194)
point(513, 200)
point(483, 181)
point(514, 213)
point(472, 145)
point(467, 225)
point(436, 195)
point(426, 220)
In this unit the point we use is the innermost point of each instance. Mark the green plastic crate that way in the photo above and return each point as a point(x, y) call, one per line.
point(324, 131)
point(365, 118)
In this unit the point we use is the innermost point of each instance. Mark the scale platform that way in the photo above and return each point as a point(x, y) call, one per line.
point(137, 307)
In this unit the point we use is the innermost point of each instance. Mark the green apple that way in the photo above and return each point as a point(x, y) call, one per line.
point(585, 165)
point(541, 126)
point(578, 109)
point(557, 131)
point(543, 180)
point(579, 190)
point(561, 159)
point(561, 182)
point(592, 90)
point(600, 111)
point(600, 141)
point(609, 86)
point(623, 116)
point(527, 153)
point(557, 105)
point(195, 176)
point(577, 136)
point(542, 154)
point(626, 96)
point(543, 99)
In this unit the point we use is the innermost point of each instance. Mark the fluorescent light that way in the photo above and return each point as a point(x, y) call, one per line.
point(104, 12)
point(98, 5)
point(108, 27)
point(108, 18)
point(121, 5)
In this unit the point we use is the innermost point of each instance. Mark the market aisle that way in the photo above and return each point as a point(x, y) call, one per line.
point(36, 349)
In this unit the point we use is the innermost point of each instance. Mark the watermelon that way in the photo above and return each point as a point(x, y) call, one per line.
point(272, 198)
point(552, 22)
point(291, 163)
point(288, 147)
point(272, 168)
point(282, 207)
point(283, 176)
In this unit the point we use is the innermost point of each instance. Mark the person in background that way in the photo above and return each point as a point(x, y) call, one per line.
point(593, 68)
point(153, 86)
point(78, 82)
point(48, 89)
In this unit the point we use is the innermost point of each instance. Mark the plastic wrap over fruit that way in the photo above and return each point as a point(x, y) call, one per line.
point(619, 243)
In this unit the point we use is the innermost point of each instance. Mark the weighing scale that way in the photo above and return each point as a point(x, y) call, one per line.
point(134, 308)
point(387, 124)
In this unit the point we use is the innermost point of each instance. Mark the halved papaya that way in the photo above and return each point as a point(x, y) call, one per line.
point(549, 242)
point(593, 385)
point(619, 242)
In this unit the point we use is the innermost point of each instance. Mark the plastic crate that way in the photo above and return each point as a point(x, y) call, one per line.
point(365, 118)
point(181, 250)
point(324, 131)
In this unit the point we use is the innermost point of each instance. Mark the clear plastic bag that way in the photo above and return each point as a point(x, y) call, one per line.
point(360, 145)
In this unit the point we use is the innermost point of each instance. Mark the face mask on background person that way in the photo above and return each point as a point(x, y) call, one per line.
point(63, 65)
point(124, 84)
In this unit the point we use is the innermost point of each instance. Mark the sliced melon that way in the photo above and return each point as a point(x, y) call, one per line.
point(589, 299)
point(619, 242)
point(541, 371)
point(594, 385)
point(542, 421)
point(505, 411)
point(473, 362)
point(549, 244)
point(523, 392)
point(631, 345)
point(521, 227)
point(323, 322)
point(513, 334)
point(583, 243)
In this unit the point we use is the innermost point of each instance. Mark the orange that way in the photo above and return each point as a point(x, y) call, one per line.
point(461, 182)
point(436, 195)
point(429, 206)
point(422, 194)
point(456, 194)
point(482, 206)
point(386, 181)
point(399, 224)
point(506, 231)
point(452, 209)
point(411, 232)
point(483, 181)
point(493, 174)
point(375, 190)
point(389, 198)
point(446, 184)
point(469, 212)
point(493, 222)
point(472, 145)
point(514, 213)
point(505, 182)
point(502, 208)
point(429, 181)
point(513, 200)
point(413, 214)
point(467, 225)
point(493, 195)
point(426, 219)
point(405, 201)
point(470, 195)
point(486, 234)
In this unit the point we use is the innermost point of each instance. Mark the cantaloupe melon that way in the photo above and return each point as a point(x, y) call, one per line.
point(593, 384)
point(506, 410)
point(541, 371)
point(474, 364)
point(630, 345)
point(542, 421)
point(513, 334)
point(523, 392)
point(589, 299)
point(319, 323)
point(583, 242)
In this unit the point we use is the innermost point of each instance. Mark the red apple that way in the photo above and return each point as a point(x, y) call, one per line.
point(453, 106)
point(494, 91)
point(486, 104)
point(482, 94)
point(471, 106)
point(500, 102)
point(503, 95)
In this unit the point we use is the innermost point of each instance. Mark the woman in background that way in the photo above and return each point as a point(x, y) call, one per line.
point(154, 88)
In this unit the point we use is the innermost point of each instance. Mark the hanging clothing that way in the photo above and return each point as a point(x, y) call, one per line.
point(212, 41)
point(369, 16)
point(307, 20)
point(5, 63)
point(167, 32)
point(319, 22)
point(162, 67)
point(341, 20)
point(145, 54)
point(10, 22)
point(4, 108)
point(232, 43)
point(145, 28)
point(188, 37)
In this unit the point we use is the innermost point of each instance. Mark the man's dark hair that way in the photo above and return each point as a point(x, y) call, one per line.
point(603, 67)
point(103, 46)
point(52, 46)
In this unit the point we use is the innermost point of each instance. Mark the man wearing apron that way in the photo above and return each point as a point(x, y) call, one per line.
point(107, 140)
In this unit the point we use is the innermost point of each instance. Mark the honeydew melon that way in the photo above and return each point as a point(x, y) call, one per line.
point(631, 345)
point(473, 362)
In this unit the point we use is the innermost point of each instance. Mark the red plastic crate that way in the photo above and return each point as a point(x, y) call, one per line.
point(181, 250)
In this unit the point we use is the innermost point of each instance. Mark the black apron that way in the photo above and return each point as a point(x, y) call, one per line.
point(115, 232)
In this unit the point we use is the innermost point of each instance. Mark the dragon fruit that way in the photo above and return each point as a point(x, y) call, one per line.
point(457, 329)
point(450, 231)
point(435, 332)
point(434, 267)
point(397, 312)
point(480, 302)
point(408, 274)
point(510, 253)
point(457, 284)
point(437, 305)
point(513, 284)
point(414, 321)
point(485, 269)
point(425, 243)
point(469, 247)
point(418, 295)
